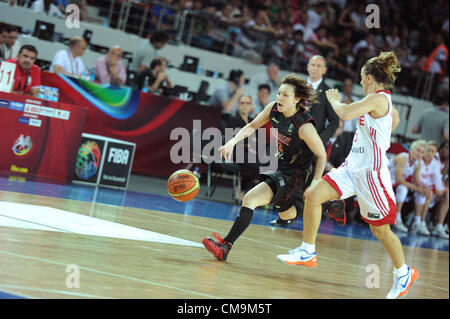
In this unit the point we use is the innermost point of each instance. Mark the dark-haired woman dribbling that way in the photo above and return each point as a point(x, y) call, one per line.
point(297, 141)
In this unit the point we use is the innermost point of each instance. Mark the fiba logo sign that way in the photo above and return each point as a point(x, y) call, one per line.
point(23, 145)
point(88, 160)
point(118, 156)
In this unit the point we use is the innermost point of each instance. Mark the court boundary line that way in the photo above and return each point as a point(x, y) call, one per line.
point(72, 293)
point(112, 275)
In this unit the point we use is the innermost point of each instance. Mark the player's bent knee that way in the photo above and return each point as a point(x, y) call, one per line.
point(380, 232)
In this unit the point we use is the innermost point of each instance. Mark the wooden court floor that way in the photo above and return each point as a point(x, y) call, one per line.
point(35, 262)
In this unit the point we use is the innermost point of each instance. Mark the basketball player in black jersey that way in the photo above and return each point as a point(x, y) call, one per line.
point(297, 142)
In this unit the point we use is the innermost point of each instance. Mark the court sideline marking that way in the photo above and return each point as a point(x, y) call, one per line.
point(111, 274)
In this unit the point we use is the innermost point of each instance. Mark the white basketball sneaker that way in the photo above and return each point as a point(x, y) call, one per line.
point(423, 230)
point(399, 226)
point(299, 257)
point(440, 232)
point(402, 284)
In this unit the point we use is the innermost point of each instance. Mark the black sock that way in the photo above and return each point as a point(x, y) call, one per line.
point(241, 223)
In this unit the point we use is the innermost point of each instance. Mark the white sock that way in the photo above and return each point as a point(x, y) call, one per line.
point(399, 216)
point(403, 270)
point(308, 247)
point(438, 227)
point(417, 220)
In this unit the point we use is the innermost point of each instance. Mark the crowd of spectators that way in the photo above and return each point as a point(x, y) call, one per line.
point(290, 32)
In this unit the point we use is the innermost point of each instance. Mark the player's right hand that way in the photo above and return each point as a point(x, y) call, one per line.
point(227, 151)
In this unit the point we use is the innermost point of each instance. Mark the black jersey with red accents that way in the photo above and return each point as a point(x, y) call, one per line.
point(293, 153)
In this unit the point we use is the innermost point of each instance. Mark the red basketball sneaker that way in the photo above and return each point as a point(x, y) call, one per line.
point(219, 249)
point(336, 211)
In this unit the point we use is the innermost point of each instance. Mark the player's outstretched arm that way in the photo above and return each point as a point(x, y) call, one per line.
point(261, 119)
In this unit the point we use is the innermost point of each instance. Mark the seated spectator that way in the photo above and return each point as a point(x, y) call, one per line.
point(148, 50)
point(347, 97)
point(437, 60)
point(433, 122)
point(365, 47)
point(336, 148)
point(405, 174)
point(68, 62)
point(249, 170)
point(48, 7)
point(300, 50)
point(27, 77)
point(3, 35)
point(315, 15)
point(10, 46)
point(262, 99)
point(270, 77)
point(155, 77)
point(162, 16)
point(62, 4)
point(227, 95)
point(431, 179)
point(109, 68)
point(393, 39)
point(324, 42)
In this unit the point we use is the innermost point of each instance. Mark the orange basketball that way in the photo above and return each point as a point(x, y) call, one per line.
point(183, 185)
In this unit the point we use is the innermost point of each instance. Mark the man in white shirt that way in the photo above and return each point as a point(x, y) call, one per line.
point(69, 62)
point(322, 111)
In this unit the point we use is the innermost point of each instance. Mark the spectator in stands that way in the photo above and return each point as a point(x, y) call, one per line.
point(392, 39)
point(365, 47)
point(62, 4)
point(433, 123)
point(336, 148)
point(405, 175)
point(315, 15)
point(227, 95)
point(3, 35)
point(270, 77)
point(341, 66)
point(68, 62)
point(162, 16)
point(155, 77)
point(301, 51)
point(321, 111)
point(11, 46)
point(437, 60)
point(48, 7)
point(148, 50)
point(27, 77)
point(249, 170)
point(347, 97)
point(324, 42)
point(109, 68)
point(262, 99)
point(431, 178)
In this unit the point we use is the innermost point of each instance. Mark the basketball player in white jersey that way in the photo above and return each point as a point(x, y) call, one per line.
point(431, 179)
point(405, 175)
point(364, 173)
